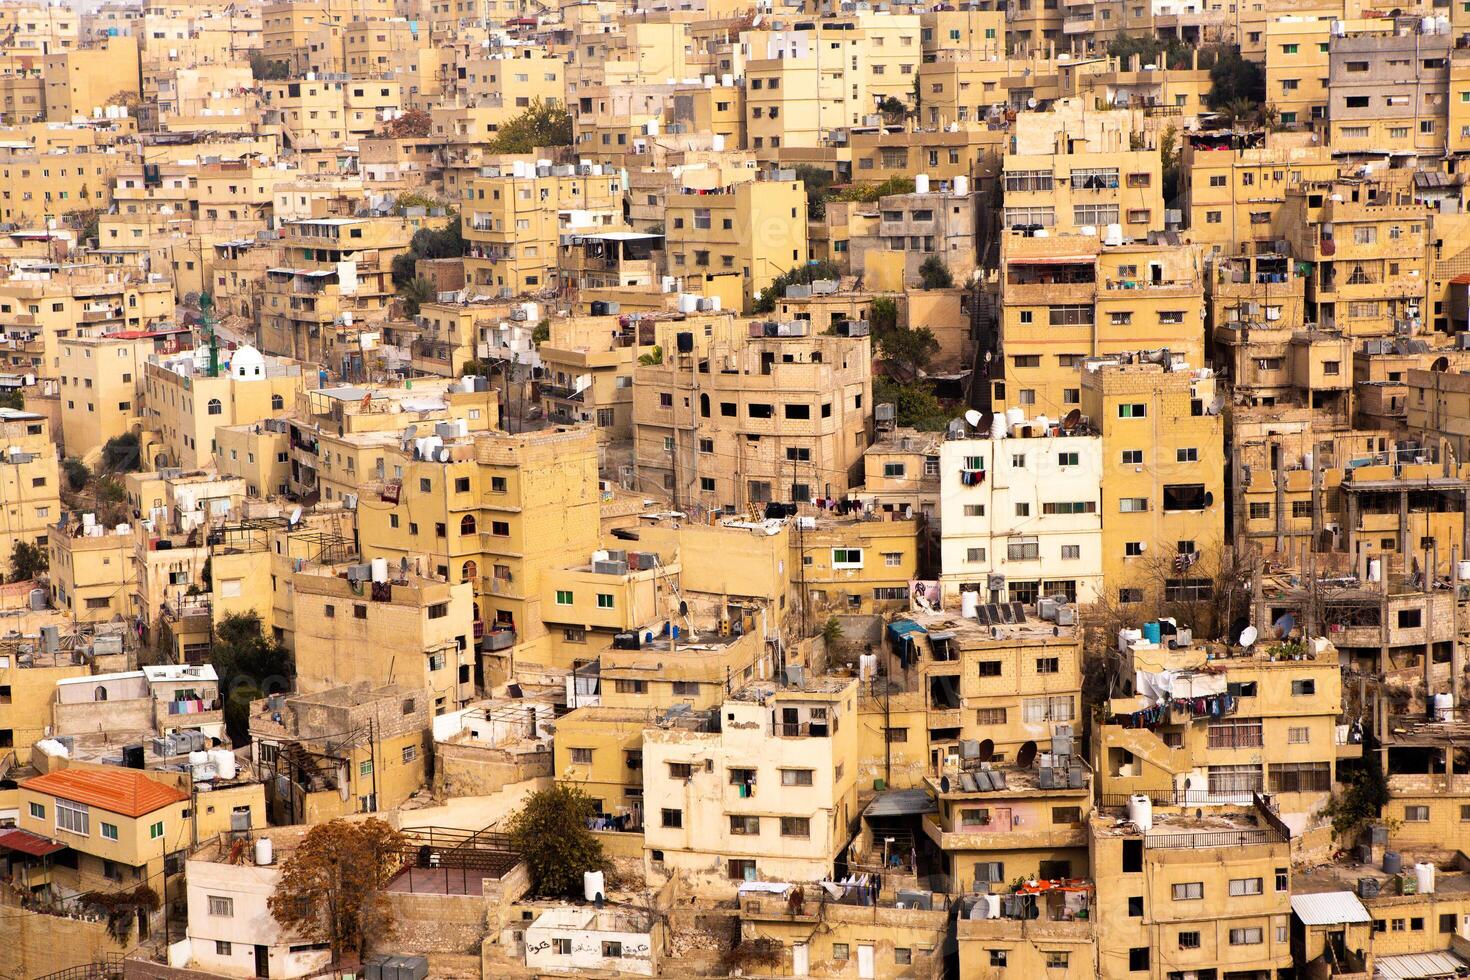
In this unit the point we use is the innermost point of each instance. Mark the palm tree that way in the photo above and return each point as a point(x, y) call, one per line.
point(415, 293)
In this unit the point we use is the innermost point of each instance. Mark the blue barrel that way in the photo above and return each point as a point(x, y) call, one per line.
point(1152, 633)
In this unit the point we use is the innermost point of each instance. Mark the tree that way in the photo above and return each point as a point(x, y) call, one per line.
point(1169, 159)
point(882, 316)
point(1234, 78)
point(914, 404)
point(655, 356)
point(77, 474)
point(445, 242)
point(543, 124)
point(550, 831)
point(892, 109)
point(797, 275)
point(125, 97)
point(934, 274)
point(12, 398)
point(907, 353)
point(331, 889)
point(249, 667)
point(413, 123)
point(415, 293)
point(122, 454)
point(28, 561)
point(870, 193)
point(817, 182)
point(263, 69)
point(542, 333)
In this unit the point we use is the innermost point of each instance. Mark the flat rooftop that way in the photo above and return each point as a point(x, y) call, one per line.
point(1343, 875)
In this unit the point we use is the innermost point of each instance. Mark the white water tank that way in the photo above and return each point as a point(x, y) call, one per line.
point(1113, 235)
point(921, 184)
point(1127, 637)
point(998, 427)
point(1444, 706)
point(1014, 417)
point(264, 852)
point(1375, 569)
point(592, 885)
point(1141, 812)
point(1424, 877)
point(969, 602)
point(198, 758)
point(380, 570)
point(961, 184)
point(1464, 570)
point(224, 763)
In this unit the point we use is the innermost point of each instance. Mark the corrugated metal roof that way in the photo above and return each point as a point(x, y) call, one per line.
point(124, 791)
point(1329, 908)
point(901, 803)
point(1417, 966)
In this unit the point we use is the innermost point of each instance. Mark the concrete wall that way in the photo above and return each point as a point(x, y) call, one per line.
point(476, 770)
point(436, 923)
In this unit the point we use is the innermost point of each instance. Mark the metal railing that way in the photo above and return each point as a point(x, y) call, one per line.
point(1215, 838)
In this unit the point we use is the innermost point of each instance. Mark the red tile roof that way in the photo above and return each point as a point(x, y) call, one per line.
point(125, 791)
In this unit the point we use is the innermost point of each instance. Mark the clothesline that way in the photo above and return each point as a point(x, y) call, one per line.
point(1213, 706)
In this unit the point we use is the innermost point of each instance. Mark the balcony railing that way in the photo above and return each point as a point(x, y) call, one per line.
point(1218, 838)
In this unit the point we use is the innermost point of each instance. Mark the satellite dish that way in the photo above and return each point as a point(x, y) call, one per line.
point(972, 417)
point(295, 516)
point(987, 750)
point(1248, 637)
point(1073, 419)
point(1026, 755)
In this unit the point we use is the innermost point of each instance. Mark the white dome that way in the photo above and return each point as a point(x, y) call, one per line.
point(247, 363)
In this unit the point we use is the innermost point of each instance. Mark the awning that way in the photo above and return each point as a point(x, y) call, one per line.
point(28, 843)
point(1329, 909)
point(901, 803)
point(901, 628)
point(1418, 966)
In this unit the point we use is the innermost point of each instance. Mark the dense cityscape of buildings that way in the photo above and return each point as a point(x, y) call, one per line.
point(932, 490)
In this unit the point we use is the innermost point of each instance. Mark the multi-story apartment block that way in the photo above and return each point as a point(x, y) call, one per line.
point(731, 242)
point(766, 788)
point(514, 219)
point(778, 415)
point(1020, 515)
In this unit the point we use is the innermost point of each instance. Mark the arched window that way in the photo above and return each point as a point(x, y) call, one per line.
point(215, 408)
point(470, 572)
point(704, 406)
point(277, 403)
point(467, 524)
point(100, 694)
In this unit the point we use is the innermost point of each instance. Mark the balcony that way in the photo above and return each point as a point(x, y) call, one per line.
point(499, 639)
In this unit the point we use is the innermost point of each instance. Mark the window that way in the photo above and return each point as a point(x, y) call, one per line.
point(993, 716)
point(1132, 505)
point(72, 817)
point(1186, 455)
point(997, 957)
point(612, 950)
point(1304, 687)
point(903, 955)
point(1246, 937)
point(222, 948)
point(1132, 411)
point(410, 753)
point(1048, 665)
point(1236, 733)
point(604, 600)
point(847, 558)
point(1244, 886)
point(38, 812)
point(221, 906)
point(1056, 960)
point(796, 777)
point(581, 757)
point(214, 407)
point(839, 951)
point(1188, 891)
point(1298, 735)
point(1023, 549)
point(1416, 814)
point(672, 818)
point(896, 735)
point(1189, 940)
point(1138, 959)
point(680, 770)
point(109, 831)
point(155, 830)
point(796, 827)
point(742, 826)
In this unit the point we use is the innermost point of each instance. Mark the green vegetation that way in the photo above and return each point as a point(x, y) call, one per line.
point(77, 474)
point(249, 667)
point(13, 398)
point(27, 561)
point(870, 193)
point(263, 69)
point(542, 333)
point(818, 184)
point(1235, 83)
point(934, 274)
point(415, 293)
point(914, 404)
point(122, 454)
point(796, 275)
point(550, 831)
point(446, 242)
point(543, 124)
point(415, 123)
point(1361, 802)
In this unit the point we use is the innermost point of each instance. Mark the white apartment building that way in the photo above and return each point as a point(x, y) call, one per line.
point(1021, 517)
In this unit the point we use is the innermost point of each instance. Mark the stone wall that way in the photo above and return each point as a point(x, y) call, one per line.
point(33, 944)
point(427, 924)
point(475, 770)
